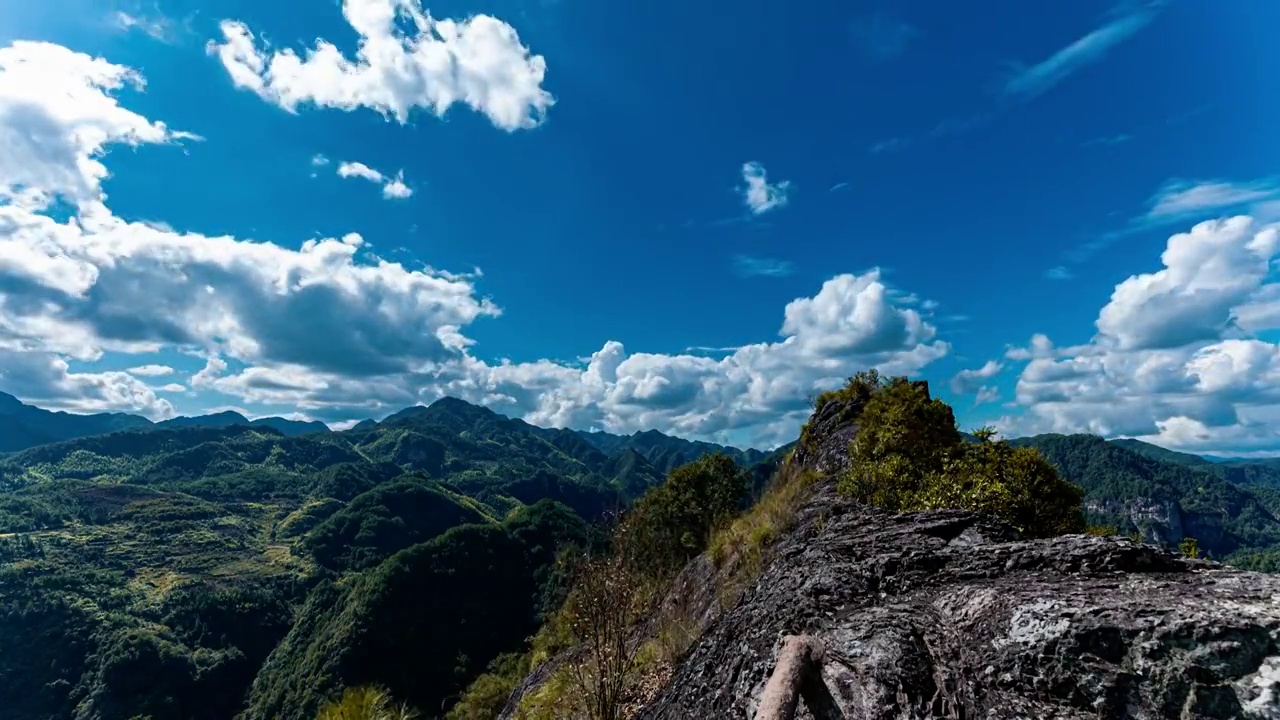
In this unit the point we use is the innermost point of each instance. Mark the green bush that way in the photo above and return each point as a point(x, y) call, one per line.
point(908, 455)
point(673, 522)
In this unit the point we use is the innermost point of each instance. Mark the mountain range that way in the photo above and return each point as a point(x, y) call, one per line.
point(146, 568)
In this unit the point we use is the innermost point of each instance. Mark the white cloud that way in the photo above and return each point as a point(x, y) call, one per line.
point(57, 115)
point(151, 370)
point(759, 194)
point(360, 170)
point(336, 333)
point(1123, 24)
point(1173, 361)
point(46, 380)
point(173, 388)
point(156, 27)
point(1180, 199)
point(406, 60)
point(755, 393)
point(986, 394)
point(1208, 271)
point(319, 160)
point(967, 382)
point(393, 188)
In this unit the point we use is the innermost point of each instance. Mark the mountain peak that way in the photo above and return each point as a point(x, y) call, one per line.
point(9, 403)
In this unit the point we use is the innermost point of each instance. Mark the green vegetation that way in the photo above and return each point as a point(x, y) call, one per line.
point(154, 570)
point(1140, 491)
point(674, 522)
point(437, 557)
point(424, 622)
point(1188, 548)
point(384, 520)
point(908, 455)
point(365, 703)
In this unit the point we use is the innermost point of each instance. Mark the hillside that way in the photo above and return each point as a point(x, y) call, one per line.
point(1164, 496)
point(186, 553)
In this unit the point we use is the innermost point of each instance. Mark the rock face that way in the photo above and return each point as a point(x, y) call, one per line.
point(947, 614)
point(943, 614)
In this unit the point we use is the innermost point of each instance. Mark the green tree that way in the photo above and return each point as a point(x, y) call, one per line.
point(908, 455)
point(673, 522)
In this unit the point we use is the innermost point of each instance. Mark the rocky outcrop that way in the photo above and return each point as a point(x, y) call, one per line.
point(943, 614)
point(947, 614)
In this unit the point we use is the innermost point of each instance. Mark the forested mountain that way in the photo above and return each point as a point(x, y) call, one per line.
point(196, 568)
point(152, 570)
point(23, 426)
point(1231, 510)
point(665, 452)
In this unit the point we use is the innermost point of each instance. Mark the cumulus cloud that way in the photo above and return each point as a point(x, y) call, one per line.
point(360, 170)
point(405, 60)
point(57, 113)
point(758, 392)
point(95, 283)
point(47, 380)
point(759, 194)
point(1207, 273)
point(393, 188)
point(335, 332)
point(1176, 359)
point(967, 382)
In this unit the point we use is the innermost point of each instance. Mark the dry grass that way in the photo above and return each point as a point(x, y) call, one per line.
point(742, 544)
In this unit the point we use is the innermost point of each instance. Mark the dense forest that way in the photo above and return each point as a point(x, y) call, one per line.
point(218, 568)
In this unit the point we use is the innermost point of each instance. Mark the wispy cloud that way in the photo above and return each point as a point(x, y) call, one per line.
point(986, 394)
point(1125, 22)
point(393, 188)
point(1025, 83)
point(157, 26)
point(1179, 199)
point(751, 266)
point(1058, 273)
point(1107, 140)
point(759, 194)
point(838, 186)
point(1182, 201)
point(892, 144)
point(882, 36)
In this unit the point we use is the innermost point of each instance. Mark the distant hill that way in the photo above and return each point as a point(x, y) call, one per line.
point(1156, 452)
point(23, 426)
point(1165, 496)
point(665, 452)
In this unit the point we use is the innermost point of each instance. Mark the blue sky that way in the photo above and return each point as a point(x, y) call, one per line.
point(929, 185)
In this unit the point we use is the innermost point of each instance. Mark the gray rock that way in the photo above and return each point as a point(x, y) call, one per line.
point(944, 614)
